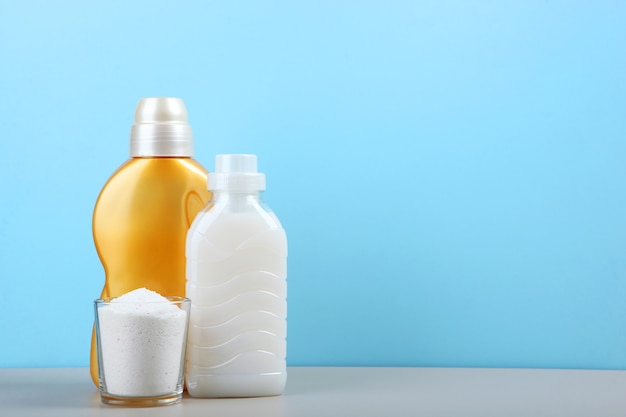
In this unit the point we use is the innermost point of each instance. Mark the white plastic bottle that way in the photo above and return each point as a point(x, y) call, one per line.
point(236, 279)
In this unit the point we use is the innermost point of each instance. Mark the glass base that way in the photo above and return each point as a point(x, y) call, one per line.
point(140, 401)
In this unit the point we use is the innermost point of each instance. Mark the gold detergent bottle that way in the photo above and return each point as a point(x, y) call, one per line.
point(142, 214)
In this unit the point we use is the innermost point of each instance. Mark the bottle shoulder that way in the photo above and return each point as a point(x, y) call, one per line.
point(155, 168)
point(163, 173)
point(156, 182)
point(220, 227)
point(217, 213)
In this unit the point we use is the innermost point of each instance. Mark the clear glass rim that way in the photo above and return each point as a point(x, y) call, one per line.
point(174, 299)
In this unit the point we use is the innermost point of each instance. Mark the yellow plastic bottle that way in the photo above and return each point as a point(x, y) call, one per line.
point(143, 212)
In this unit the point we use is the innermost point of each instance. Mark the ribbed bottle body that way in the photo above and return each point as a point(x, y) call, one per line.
point(236, 278)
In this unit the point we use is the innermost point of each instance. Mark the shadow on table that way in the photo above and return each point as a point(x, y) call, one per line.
point(32, 389)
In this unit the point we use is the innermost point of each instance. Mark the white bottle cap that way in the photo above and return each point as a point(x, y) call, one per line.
point(236, 172)
point(161, 128)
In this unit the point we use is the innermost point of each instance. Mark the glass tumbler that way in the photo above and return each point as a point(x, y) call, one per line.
point(141, 350)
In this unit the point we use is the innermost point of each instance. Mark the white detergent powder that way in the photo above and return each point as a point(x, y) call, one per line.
point(142, 338)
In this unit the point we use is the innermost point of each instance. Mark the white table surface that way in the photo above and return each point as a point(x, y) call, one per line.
point(345, 392)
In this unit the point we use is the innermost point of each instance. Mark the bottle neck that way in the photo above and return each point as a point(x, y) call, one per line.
point(161, 139)
point(238, 201)
point(235, 194)
point(161, 157)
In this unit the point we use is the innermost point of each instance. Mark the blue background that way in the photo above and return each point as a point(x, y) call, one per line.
point(451, 174)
